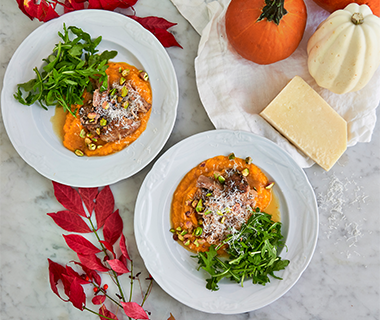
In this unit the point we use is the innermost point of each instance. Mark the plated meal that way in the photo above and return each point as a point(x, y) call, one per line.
point(200, 222)
point(121, 138)
point(217, 210)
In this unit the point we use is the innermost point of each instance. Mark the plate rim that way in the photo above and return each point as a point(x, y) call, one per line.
point(169, 121)
point(140, 201)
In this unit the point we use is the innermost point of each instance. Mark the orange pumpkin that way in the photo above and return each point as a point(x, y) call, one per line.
point(265, 31)
point(332, 5)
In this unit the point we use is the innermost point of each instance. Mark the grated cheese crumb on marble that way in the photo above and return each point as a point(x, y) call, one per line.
point(339, 196)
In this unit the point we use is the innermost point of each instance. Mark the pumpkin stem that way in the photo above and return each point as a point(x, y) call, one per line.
point(357, 18)
point(273, 11)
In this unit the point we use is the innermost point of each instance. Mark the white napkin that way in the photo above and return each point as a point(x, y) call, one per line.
point(234, 90)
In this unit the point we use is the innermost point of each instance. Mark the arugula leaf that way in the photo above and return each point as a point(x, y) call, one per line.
point(69, 70)
point(253, 253)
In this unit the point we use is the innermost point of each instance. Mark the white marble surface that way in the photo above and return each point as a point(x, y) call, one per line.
point(341, 282)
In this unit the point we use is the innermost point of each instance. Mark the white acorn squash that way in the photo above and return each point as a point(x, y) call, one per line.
point(344, 51)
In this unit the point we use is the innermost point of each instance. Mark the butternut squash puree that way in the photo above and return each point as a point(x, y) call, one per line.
point(73, 127)
point(188, 186)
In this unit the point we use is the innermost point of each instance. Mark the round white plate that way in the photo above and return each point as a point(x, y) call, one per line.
point(30, 128)
point(171, 265)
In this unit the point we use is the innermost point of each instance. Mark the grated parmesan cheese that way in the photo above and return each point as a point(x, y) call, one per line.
point(340, 226)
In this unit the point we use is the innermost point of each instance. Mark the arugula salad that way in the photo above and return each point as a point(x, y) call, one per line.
point(71, 68)
point(253, 253)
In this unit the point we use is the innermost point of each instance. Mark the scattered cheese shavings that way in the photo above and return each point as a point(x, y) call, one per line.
point(339, 196)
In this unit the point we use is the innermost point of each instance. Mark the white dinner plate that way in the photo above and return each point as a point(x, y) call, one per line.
point(30, 128)
point(171, 265)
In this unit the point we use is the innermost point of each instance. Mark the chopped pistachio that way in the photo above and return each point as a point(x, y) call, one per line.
point(113, 91)
point(105, 105)
point(124, 91)
point(82, 133)
point(200, 221)
point(194, 203)
point(183, 232)
point(209, 194)
point(199, 206)
point(87, 140)
point(92, 146)
point(207, 212)
point(179, 229)
point(125, 72)
point(125, 104)
point(248, 160)
point(79, 153)
point(198, 231)
point(187, 242)
point(97, 130)
point(196, 243)
point(120, 69)
point(231, 156)
point(222, 220)
point(221, 179)
point(103, 122)
point(172, 230)
point(99, 146)
point(122, 80)
point(269, 186)
point(180, 237)
point(219, 213)
point(245, 172)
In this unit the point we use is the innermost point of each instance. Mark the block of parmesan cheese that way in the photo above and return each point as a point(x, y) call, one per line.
point(305, 119)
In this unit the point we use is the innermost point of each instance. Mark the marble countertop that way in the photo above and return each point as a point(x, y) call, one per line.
point(341, 282)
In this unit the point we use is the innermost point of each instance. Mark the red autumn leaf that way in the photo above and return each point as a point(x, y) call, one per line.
point(22, 8)
point(72, 273)
point(45, 11)
point(103, 311)
point(123, 248)
point(92, 262)
point(80, 244)
point(77, 295)
point(166, 38)
point(118, 266)
point(92, 274)
point(158, 26)
point(69, 221)
point(31, 8)
point(56, 272)
point(67, 281)
point(134, 310)
point(69, 198)
point(99, 299)
point(104, 206)
point(109, 247)
point(113, 227)
point(88, 196)
point(152, 23)
point(72, 5)
point(113, 4)
point(171, 317)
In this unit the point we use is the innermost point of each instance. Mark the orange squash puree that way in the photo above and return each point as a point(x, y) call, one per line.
point(73, 127)
point(188, 186)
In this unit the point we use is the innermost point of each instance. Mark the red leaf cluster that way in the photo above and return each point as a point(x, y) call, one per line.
point(74, 220)
point(134, 310)
point(45, 10)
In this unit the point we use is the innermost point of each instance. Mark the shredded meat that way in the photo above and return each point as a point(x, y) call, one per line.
point(113, 114)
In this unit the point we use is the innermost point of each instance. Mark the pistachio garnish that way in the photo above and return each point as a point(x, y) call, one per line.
point(122, 80)
point(124, 91)
point(92, 146)
point(231, 156)
point(187, 242)
point(198, 231)
point(125, 72)
point(87, 140)
point(125, 104)
point(199, 206)
point(79, 153)
point(245, 172)
point(269, 186)
point(248, 160)
point(82, 133)
point(103, 122)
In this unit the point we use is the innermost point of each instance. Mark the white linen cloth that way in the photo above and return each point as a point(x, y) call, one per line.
point(234, 90)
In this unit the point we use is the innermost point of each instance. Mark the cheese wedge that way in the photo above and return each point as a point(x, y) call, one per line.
point(305, 119)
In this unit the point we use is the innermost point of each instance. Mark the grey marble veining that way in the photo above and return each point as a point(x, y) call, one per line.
point(341, 282)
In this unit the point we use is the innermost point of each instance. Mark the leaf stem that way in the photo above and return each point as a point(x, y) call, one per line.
point(147, 292)
point(94, 312)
